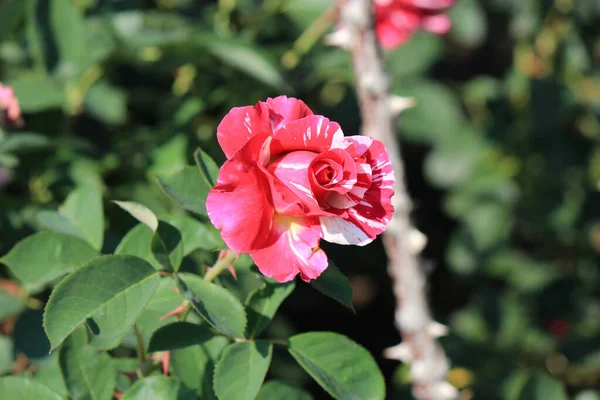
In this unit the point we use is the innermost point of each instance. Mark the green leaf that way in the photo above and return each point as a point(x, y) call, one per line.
point(107, 103)
point(196, 234)
point(6, 355)
point(9, 304)
point(208, 168)
point(342, 367)
point(23, 142)
point(334, 284)
point(216, 305)
point(241, 370)
point(187, 187)
point(195, 365)
point(171, 155)
point(11, 13)
point(415, 56)
point(136, 242)
point(48, 373)
point(45, 256)
point(58, 36)
point(540, 386)
point(164, 300)
point(139, 212)
point(158, 387)
point(250, 60)
point(276, 390)
point(88, 373)
point(468, 23)
point(167, 246)
point(19, 387)
point(37, 92)
point(263, 304)
point(110, 292)
point(178, 335)
point(83, 207)
point(52, 220)
point(166, 243)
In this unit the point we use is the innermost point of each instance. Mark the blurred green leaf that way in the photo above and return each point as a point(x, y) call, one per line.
point(83, 208)
point(215, 304)
point(37, 93)
point(178, 335)
point(469, 25)
point(6, 355)
point(343, 368)
point(11, 13)
point(158, 387)
point(332, 283)
point(436, 104)
point(9, 304)
point(125, 284)
point(263, 304)
point(542, 387)
point(22, 388)
point(186, 187)
point(70, 36)
point(171, 155)
point(414, 57)
point(23, 142)
point(250, 60)
point(275, 390)
point(241, 370)
point(45, 256)
point(107, 103)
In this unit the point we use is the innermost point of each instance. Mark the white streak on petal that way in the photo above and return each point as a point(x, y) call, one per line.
point(337, 230)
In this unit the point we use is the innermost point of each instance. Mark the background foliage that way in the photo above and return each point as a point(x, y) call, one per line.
point(503, 162)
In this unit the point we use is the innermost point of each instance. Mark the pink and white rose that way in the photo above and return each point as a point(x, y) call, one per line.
point(291, 179)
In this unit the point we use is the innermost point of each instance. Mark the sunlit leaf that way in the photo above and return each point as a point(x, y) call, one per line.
point(343, 368)
point(109, 293)
point(241, 370)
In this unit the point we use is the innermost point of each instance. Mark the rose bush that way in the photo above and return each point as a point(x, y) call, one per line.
point(291, 178)
point(397, 20)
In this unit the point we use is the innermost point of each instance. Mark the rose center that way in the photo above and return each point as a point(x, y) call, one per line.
point(324, 173)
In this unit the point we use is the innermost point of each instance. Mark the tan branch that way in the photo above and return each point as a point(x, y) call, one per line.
point(402, 241)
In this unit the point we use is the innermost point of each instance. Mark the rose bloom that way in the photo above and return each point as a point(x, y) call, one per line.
point(397, 20)
point(9, 106)
point(291, 178)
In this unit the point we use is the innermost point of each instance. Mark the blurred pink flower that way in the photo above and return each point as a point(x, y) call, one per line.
point(397, 20)
point(9, 106)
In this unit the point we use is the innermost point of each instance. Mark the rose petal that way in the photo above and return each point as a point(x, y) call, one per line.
point(312, 133)
point(292, 171)
point(240, 124)
point(239, 203)
point(292, 248)
point(360, 224)
point(288, 109)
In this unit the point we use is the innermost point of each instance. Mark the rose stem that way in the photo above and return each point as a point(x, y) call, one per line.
point(402, 241)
